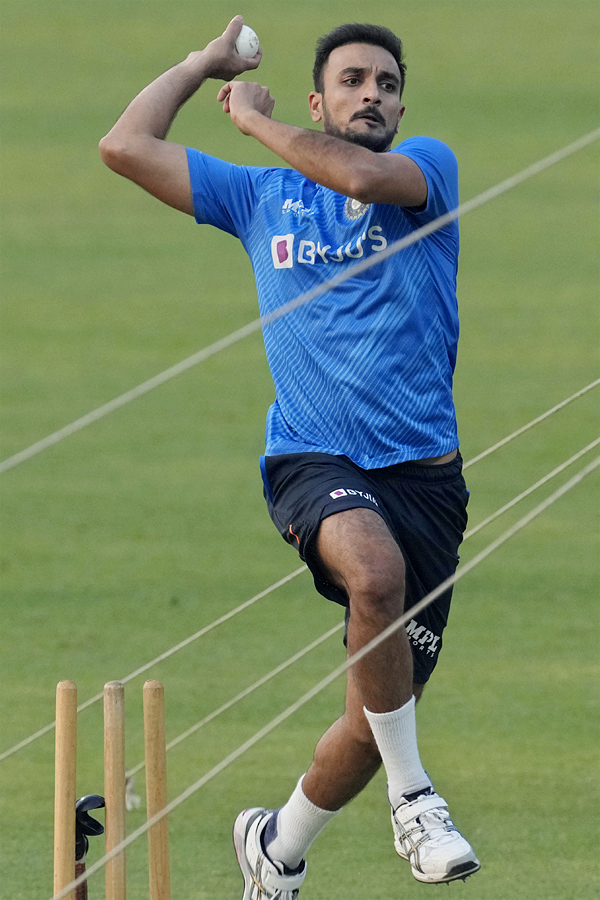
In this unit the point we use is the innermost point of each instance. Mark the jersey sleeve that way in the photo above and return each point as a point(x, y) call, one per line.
point(440, 168)
point(223, 194)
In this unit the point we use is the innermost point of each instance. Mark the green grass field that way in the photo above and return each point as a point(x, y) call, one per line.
point(133, 534)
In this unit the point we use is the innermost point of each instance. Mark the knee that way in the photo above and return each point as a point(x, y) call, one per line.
point(359, 554)
point(378, 590)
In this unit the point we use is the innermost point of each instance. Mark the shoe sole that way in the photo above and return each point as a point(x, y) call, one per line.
point(456, 873)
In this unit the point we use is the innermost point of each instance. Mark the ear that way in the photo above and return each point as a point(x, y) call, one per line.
point(315, 102)
point(400, 114)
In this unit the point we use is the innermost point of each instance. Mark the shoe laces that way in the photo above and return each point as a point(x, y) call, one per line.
point(436, 820)
point(431, 824)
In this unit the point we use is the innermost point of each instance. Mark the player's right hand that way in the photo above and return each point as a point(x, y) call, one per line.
point(220, 58)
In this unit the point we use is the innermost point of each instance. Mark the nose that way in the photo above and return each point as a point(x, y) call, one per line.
point(371, 93)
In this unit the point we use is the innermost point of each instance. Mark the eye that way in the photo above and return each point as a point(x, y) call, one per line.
point(352, 80)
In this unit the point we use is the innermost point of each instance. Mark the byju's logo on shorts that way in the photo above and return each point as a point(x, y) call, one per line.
point(348, 492)
point(282, 248)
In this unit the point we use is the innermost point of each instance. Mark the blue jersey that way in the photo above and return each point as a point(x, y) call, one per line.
point(365, 370)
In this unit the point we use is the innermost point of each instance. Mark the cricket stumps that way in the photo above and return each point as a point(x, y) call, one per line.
point(72, 823)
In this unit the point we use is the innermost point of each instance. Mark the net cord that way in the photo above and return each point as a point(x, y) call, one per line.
point(284, 310)
point(161, 657)
point(329, 679)
point(245, 693)
point(185, 364)
point(238, 609)
point(301, 653)
point(533, 422)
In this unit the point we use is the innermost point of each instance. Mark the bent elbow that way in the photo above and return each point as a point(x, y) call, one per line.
point(113, 154)
point(358, 190)
point(108, 152)
point(365, 187)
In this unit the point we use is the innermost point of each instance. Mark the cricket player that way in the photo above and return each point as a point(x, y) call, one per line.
point(361, 472)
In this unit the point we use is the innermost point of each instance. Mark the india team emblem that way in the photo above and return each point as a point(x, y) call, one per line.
point(354, 209)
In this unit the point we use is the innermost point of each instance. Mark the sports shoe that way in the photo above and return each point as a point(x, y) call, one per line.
point(425, 835)
point(263, 879)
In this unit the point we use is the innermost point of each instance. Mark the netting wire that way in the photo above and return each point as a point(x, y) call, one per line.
point(284, 310)
point(161, 657)
point(252, 328)
point(248, 603)
point(536, 421)
point(193, 729)
point(256, 325)
point(329, 679)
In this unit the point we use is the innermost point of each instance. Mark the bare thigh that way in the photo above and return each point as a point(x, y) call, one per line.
point(359, 554)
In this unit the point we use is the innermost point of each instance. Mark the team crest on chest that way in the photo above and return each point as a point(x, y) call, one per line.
point(354, 209)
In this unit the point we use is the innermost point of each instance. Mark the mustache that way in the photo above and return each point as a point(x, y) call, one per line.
point(369, 111)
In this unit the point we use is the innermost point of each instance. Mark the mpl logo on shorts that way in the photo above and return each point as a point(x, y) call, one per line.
point(348, 492)
point(421, 637)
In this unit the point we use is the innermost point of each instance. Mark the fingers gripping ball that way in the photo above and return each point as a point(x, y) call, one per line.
point(247, 43)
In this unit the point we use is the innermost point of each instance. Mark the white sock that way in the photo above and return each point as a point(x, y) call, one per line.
point(299, 823)
point(396, 736)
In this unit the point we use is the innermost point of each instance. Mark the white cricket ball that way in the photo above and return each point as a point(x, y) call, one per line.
point(247, 43)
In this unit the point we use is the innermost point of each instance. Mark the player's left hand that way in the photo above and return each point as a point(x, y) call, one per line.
point(241, 97)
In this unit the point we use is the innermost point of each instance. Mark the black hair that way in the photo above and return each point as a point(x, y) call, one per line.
point(357, 34)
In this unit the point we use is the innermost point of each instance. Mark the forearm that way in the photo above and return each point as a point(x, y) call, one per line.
point(136, 147)
point(336, 164)
point(341, 165)
point(151, 113)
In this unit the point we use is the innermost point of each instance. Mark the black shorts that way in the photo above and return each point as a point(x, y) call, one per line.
point(423, 506)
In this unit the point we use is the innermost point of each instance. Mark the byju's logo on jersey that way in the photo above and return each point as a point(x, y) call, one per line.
point(310, 253)
point(282, 248)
